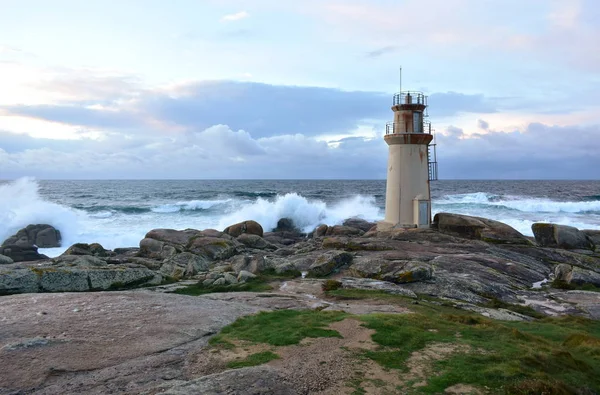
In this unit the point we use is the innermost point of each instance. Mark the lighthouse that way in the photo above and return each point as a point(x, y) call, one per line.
point(410, 169)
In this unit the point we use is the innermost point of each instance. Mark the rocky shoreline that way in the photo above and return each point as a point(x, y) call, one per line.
point(462, 258)
point(473, 263)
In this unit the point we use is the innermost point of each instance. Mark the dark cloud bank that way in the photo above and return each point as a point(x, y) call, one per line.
point(222, 129)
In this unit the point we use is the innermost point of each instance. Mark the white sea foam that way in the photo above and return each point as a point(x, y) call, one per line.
point(306, 214)
point(21, 205)
point(530, 205)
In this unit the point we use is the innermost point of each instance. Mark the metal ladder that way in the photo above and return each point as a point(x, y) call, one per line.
point(432, 161)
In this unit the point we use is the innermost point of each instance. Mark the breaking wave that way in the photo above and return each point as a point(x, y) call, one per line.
point(21, 205)
point(523, 204)
point(193, 205)
point(306, 214)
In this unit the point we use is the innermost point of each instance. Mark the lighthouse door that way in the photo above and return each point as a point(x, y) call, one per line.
point(423, 213)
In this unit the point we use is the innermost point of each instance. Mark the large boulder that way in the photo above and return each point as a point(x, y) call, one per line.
point(478, 228)
point(329, 262)
point(560, 236)
point(40, 235)
point(156, 249)
point(249, 263)
point(409, 273)
point(94, 249)
point(184, 265)
point(255, 241)
point(166, 243)
point(74, 273)
point(342, 230)
point(285, 233)
point(5, 260)
point(251, 227)
point(359, 223)
point(320, 230)
point(399, 272)
point(285, 225)
point(184, 253)
point(172, 236)
point(21, 253)
point(576, 275)
point(593, 236)
point(15, 279)
point(214, 248)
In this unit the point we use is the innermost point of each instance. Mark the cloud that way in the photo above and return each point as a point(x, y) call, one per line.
point(216, 152)
point(235, 17)
point(8, 49)
point(262, 110)
point(89, 84)
point(483, 124)
point(267, 110)
point(537, 152)
point(381, 51)
point(110, 119)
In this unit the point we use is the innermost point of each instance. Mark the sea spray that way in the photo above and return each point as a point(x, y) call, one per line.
point(519, 203)
point(22, 205)
point(306, 214)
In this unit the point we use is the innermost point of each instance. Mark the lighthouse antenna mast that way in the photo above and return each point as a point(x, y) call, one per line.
point(400, 80)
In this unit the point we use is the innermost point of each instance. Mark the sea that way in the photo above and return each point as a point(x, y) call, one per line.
point(118, 213)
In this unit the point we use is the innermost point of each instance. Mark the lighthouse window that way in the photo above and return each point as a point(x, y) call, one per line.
point(418, 122)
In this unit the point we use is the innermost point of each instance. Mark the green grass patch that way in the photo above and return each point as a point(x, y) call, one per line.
point(219, 342)
point(253, 360)
point(282, 327)
point(548, 355)
point(508, 357)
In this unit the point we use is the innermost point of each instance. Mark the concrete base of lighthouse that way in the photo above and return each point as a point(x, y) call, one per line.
point(407, 200)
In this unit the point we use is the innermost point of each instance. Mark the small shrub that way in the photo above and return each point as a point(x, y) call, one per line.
point(331, 285)
point(467, 319)
point(560, 284)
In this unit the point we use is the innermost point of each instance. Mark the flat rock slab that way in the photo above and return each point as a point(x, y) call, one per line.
point(553, 304)
point(586, 301)
point(103, 342)
point(258, 380)
point(270, 300)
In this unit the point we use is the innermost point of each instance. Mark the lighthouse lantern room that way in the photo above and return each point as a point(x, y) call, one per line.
point(410, 165)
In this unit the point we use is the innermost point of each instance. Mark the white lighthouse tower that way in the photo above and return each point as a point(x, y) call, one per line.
point(407, 198)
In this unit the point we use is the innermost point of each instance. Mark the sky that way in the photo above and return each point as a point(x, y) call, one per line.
point(257, 89)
